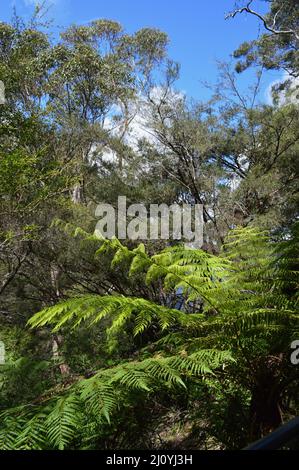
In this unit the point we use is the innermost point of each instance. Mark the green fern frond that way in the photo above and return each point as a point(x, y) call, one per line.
point(64, 421)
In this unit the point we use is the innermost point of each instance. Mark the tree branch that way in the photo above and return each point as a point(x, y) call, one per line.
point(269, 28)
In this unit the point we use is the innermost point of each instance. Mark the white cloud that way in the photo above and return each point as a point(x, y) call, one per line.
point(138, 128)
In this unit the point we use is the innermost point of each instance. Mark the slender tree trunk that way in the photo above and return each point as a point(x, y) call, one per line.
point(58, 357)
point(57, 340)
point(77, 194)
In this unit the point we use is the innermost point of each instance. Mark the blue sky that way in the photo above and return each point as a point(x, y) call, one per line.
point(199, 34)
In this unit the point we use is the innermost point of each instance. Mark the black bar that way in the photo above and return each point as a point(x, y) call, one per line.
point(281, 436)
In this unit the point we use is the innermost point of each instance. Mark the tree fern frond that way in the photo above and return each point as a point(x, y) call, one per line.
point(64, 421)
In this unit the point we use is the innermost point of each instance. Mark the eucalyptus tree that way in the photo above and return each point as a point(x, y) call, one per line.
point(63, 100)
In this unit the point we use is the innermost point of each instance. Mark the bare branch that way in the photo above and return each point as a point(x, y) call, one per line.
point(270, 28)
point(8, 278)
